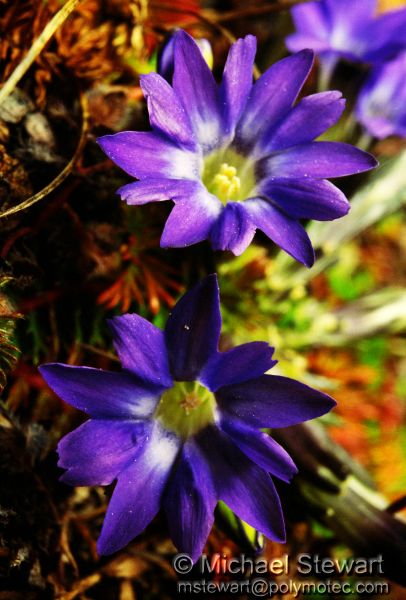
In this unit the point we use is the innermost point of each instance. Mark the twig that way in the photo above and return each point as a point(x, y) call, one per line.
point(62, 175)
point(231, 15)
point(90, 348)
point(37, 48)
point(254, 11)
point(89, 515)
point(81, 586)
point(397, 506)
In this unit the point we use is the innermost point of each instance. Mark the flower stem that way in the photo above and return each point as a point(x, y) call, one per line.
point(365, 141)
point(349, 126)
point(326, 70)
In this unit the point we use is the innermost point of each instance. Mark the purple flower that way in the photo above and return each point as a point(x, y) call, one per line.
point(381, 105)
point(238, 156)
point(179, 426)
point(348, 29)
point(166, 56)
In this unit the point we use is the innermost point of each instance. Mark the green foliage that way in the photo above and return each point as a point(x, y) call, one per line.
point(347, 279)
point(373, 351)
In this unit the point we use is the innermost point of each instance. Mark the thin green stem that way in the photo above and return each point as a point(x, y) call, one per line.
point(365, 141)
point(326, 70)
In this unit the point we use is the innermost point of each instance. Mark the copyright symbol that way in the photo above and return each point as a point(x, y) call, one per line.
point(182, 563)
point(259, 587)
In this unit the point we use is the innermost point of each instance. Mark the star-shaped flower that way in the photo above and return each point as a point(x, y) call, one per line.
point(347, 29)
point(239, 156)
point(180, 426)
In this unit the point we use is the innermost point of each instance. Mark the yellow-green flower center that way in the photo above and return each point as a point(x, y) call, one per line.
point(186, 408)
point(228, 175)
point(226, 185)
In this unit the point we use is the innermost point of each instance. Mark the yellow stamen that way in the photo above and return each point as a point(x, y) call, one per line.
point(228, 175)
point(190, 402)
point(226, 185)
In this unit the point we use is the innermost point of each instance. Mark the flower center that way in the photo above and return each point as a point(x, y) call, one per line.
point(228, 175)
point(186, 408)
point(225, 184)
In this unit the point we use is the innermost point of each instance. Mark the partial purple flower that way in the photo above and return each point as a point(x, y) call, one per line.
point(381, 105)
point(237, 157)
point(180, 426)
point(348, 29)
point(166, 56)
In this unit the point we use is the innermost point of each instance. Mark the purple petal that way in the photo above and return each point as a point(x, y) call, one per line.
point(272, 96)
point(310, 19)
point(137, 496)
point(313, 28)
point(301, 41)
point(101, 394)
point(141, 348)
point(238, 364)
point(307, 199)
point(141, 153)
point(96, 452)
point(156, 190)
point(385, 36)
point(341, 26)
point(347, 15)
point(190, 501)
point(381, 105)
point(273, 401)
point(166, 57)
point(191, 219)
point(319, 160)
point(193, 330)
point(194, 85)
point(307, 120)
point(334, 23)
point(261, 449)
point(282, 229)
point(237, 80)
point(247, 489)
point(233, 229)
point(166, 113)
